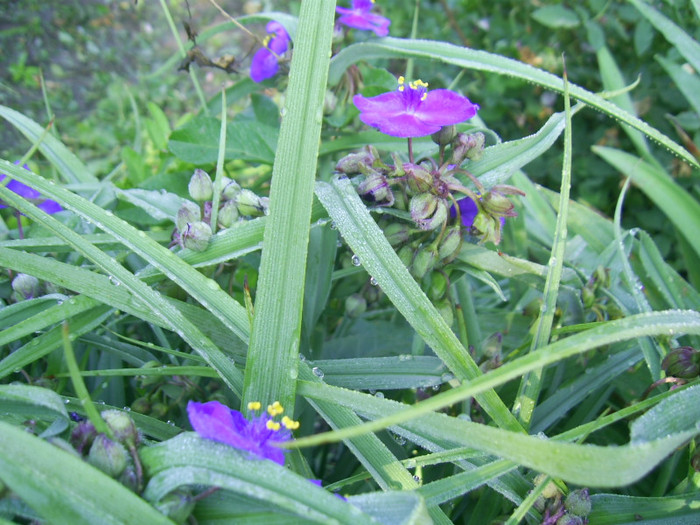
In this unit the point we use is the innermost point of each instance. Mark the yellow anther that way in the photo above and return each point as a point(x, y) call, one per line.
point(425, 95)
point(254, 405)
point(272, 425)
point(275, 409)
point(290, 423)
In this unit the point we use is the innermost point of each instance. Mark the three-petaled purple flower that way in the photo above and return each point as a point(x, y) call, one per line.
point(265, 63)
point(258, 435)
point(413, 111)
point(31, 194)
point(360, 17)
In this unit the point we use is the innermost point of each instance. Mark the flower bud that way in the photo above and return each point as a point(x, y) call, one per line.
point(158, 410)
point(397, 233)
point(423, 206)
point(467, 146)
point(445, 135)
point(406, 255)
point(445, 309)
point(569, 519)
point(26, 286)
point(249, 203)
point(355, 305)
point(178, 505)
point(196, 236)
point(424, 262)
point(437, 218)
point(551, 490)
point(578, 503)
point(438, 286)
point(122, 427)
point(141, 405)
point(129, 478)
point(330, 101)
point(108, 456)
point(450, 244)
point(228, 214)
point(200, 186)
point(82, 436)
point(489, 227)
point(356, 162)
point(419, 180)
point(682, 362)
point(231, 189)
point(188, 212)
point(497, 204)
point(375, 188)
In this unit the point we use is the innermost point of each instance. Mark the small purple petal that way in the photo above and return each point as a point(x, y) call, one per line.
point(468, 211)
point(360, 17)
point(263, 66)
point(29, 193)
point(50, 206)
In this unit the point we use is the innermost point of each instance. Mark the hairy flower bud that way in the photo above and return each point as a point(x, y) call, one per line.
point(445, 309)
point(356, 162)
point(445, 135)
point(228, 214)
point(108, 456)
point(423, 206)
point(200, 186)
point(376, 188)
point(355, 305)
point(231, 189)
point(424, 262)
point(682, 362)
point(578, 503)
point(397, 233)
point(196, 236)
point(433, 220)
point(450, 244)
point(141, 405)
point(177, 505)
point(438, 286)
point(82, 436)
point(497, 204)
point(489, 227)
point(26, 286)
point(569, 519)
point(250, 204)
point(467, 146)
point(188, 212)
point(122, 427)
point(419, 180)
point(406, 255)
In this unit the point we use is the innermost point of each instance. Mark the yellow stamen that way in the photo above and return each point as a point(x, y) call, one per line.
point(272, 425)
point(290, 423)
point(254, 405)
point(275, 409)
point(401, 83)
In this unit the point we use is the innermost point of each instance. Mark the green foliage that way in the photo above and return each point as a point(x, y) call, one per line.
point(486, 387)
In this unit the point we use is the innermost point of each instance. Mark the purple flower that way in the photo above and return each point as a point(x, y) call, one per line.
point(412, 111)
point(29, 193)
point(467, 210)
point(360, 17)
point(258, 435)
point(264, 64)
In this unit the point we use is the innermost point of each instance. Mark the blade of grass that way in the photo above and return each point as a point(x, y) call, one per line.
point(271, 368)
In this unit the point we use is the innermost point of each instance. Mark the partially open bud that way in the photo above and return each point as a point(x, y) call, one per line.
point(26, 286)
point(682, 362)
point(355, 305)
point(578, 503)
point(228, 214)
point(188, 212)
point(196, 236)
point(200, 186)
point(436, 219)
point(108, 456)
point(250, 204)
point(445, 135)
point(122, 427)
point(423, 206)
point(419, 180)
point(489, 227)
point(376, 188)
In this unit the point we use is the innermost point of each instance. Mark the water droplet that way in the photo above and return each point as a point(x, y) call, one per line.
point(436, 388)
point(355, 260)
point(127, 409)
point(447, 377)
point(293, 374)
point(333, 226)
point(283, 112)
point(372, 391)
point(416, 479)
point(101, 402)
point(302, 358)
point(113, 280)
point(402, 441)
point(170, 423)
point(380, 395)
point(318, 372)
point(66, 401)
point(373, 281)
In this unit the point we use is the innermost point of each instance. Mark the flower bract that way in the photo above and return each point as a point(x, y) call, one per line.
point(265, 64)
point(31, 194)
point(360, 17)
point(413, 111)
point(257, 435)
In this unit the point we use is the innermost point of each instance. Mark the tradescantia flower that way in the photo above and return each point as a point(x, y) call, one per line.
point(264, 64)
point(413, 111)
point(360, 17)
point(31, 194)
point(258, 435)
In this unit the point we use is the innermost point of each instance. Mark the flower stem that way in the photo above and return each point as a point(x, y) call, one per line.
point(410, 150)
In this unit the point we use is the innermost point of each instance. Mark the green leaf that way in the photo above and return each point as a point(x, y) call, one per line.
point(556, 17)
point(614, 509)
point(680, 207)
point(64, 489)
point(161, 205)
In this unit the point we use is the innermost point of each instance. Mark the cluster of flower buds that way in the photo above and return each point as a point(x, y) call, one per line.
point(556, 510)
point(443, 210)
point(194, 218)
point(114, 455)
